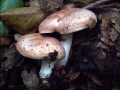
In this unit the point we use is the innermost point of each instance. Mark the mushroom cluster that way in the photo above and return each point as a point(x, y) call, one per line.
point(40, 46)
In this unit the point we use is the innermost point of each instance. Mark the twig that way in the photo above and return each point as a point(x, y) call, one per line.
point(92, 5)
point(113, 5)
point(116, 28)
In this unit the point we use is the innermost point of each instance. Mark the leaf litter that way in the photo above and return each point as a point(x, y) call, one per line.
point(11, 58)
point(93, 62)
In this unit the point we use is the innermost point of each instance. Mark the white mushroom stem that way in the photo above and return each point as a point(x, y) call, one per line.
point(46, 68)
point(67, 42)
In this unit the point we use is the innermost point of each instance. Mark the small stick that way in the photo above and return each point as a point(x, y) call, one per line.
point(92, 5)
point(113, 5)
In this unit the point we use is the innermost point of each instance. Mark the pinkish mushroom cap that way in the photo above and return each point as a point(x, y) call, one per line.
point(36, 46)
point(68, 21)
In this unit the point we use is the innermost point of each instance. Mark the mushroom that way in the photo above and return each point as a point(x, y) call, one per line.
point(43, 47)
point(66, 22)
point(17, 36)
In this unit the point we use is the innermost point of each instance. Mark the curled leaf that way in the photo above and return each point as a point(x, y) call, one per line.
point(23, 20)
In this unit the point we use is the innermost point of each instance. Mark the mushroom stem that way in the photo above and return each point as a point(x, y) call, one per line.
point(66, 42)
point(46, 68)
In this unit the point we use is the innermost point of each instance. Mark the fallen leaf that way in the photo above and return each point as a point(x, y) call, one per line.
point(53, 4)
point(12, 57)
point(72, 75)
point(34, 3)
point(23, 20)
point(105, 31)
point(30, 79)
point(10, 4)
point(5, 41)
point(103, 46)
point(94, 77)
point(113, 35)
point(5, 5)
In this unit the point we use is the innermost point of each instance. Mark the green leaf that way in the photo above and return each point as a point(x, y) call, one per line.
point(3, 29)
point(10, 4)
point(5, 5)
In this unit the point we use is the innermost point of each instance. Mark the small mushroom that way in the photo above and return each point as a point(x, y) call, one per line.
point(17, 36)
point(66, 22)
point(43, 47)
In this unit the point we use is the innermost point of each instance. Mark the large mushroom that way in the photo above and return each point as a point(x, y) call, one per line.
point(66, 22)
point(43, 47)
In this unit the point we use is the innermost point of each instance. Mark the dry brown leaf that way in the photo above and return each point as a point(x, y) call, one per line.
point(23, 20)
point(12, 56)
point(113, 35)
point(94, 77)
point(53, 4)
point(74, 76)
point(100, 44)
point(112, 30)
point(71, 75)
point(5, 41)
point(105, 31)
point(105, 28)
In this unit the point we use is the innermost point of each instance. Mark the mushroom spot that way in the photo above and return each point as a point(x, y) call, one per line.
point(47, 44)
point(60, 52)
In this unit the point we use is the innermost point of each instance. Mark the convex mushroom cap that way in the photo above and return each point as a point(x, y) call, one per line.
point(37, 46)
point(68, 21)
